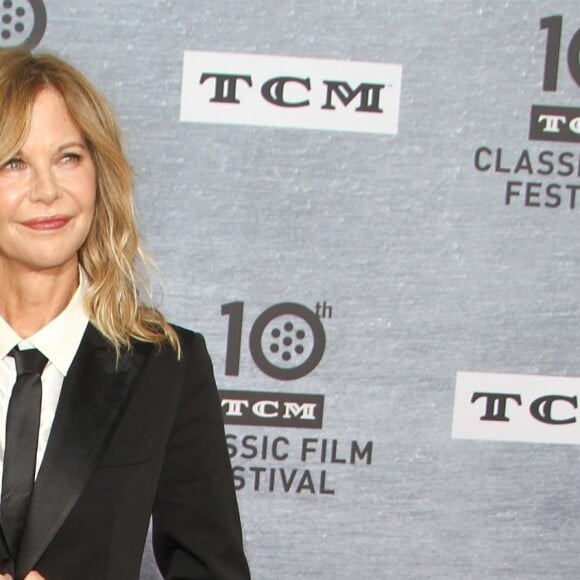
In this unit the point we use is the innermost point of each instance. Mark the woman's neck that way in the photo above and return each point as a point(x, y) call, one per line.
point(29, 300)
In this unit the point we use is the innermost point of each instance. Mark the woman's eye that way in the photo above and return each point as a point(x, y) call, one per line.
point(14, 164)
point(70, 158)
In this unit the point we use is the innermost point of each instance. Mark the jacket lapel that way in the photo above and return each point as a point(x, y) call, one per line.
point(93, 396)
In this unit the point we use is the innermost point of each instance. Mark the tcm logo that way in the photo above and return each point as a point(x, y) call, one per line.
point(516, 408)
point(22, 23)
point(286, 342)
point(272, 409)
point(244, 89)
point(555, 124)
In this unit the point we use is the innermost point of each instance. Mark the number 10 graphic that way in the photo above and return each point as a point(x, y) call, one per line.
point(553, 24)
point(287, 340)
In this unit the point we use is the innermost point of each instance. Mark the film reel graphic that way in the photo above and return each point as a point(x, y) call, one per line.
point(22, 23)
point(287, 341)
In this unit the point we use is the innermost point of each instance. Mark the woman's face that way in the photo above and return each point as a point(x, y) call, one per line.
point(47, 192)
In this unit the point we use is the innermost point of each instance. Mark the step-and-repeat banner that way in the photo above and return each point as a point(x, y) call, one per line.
point(370, 210)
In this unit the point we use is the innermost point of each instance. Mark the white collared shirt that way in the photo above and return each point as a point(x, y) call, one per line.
point(58, 341)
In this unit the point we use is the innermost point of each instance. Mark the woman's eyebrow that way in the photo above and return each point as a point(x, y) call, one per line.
point(72, 144)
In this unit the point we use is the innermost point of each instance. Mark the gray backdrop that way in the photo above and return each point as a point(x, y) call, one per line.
point(426, 268)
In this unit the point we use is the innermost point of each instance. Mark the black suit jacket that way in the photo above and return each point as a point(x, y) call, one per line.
point(144, 436)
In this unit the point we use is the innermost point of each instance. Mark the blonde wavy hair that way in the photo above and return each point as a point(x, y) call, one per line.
point(112, 255)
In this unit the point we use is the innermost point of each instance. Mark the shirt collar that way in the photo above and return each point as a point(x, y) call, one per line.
point(59, 340)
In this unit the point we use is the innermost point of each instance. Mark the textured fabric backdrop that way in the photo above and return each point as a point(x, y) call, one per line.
point(403, 248)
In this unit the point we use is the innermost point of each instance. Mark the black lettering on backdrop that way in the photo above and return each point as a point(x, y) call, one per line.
point(495, 405)
point(282, 479)
point(273, 91)
point(251, 447)
point(551, 195)
point(541, 409)
point(545, 162)
point(225, 86)
point(250, 455)
point(370, 95)
point(331, 451)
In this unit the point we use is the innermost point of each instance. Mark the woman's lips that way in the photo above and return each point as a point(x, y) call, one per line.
point(47, 223)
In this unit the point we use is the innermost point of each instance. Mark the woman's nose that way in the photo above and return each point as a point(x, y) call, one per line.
point(44, 187)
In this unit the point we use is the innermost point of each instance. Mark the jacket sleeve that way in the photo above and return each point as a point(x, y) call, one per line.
point(196, 525)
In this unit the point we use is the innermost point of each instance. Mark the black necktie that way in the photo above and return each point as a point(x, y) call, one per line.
point(22, 425)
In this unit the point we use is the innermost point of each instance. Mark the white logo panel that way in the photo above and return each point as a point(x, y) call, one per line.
point(246, 89)
point(509, 407)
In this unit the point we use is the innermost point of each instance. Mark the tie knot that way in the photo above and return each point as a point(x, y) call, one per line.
point(28, 361)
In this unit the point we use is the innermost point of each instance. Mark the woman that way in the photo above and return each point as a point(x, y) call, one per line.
point(129, 423)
